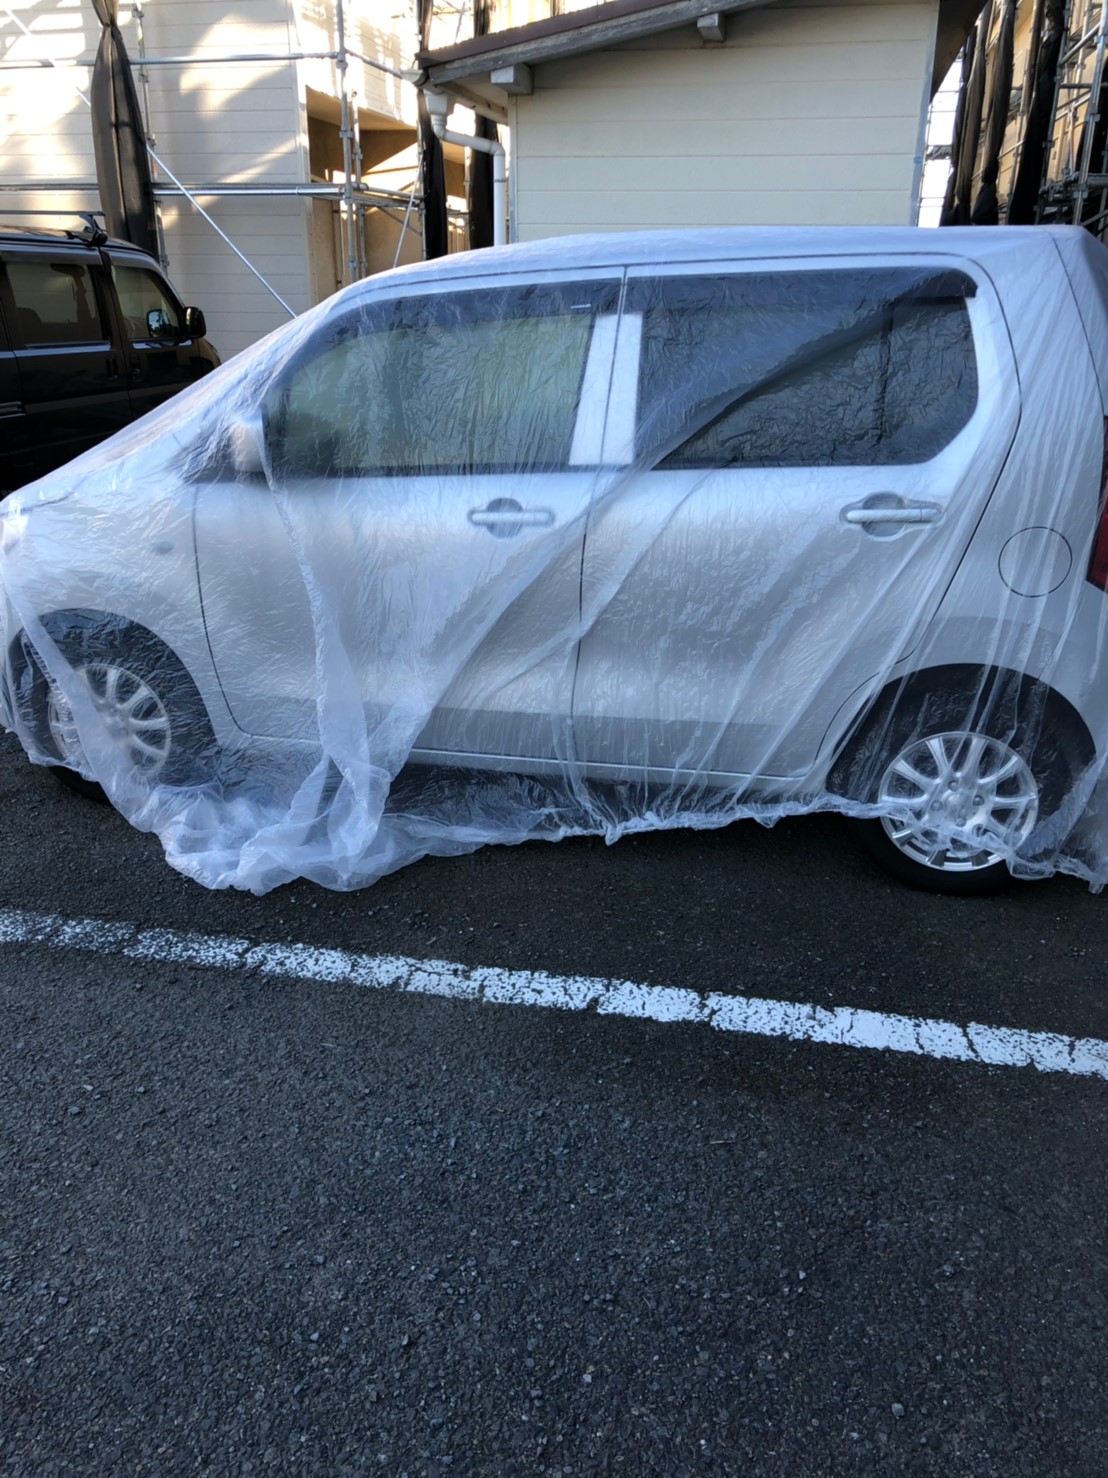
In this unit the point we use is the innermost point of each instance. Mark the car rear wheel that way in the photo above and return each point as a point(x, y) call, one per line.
point(958, 805)
point(962, 781)
point(149, 707)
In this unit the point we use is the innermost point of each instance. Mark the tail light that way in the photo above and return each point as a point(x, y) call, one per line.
point(1097, 572)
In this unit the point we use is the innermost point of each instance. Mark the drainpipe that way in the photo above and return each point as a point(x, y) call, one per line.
point(438, 109)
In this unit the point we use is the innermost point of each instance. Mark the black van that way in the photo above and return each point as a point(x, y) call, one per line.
point(92, 336)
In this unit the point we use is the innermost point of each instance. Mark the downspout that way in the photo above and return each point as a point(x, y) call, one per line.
point(438, 108)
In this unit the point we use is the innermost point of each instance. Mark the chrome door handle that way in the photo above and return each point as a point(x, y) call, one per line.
point(910, 513)
point(530, 518)
point(505, 517)
point(885, 515)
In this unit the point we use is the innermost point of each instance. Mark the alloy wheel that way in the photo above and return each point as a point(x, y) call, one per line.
point(958, 802)
point(134, 716)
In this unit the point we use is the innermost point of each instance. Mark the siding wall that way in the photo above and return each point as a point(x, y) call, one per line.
point(44, 129)
point(808, 113)
point(220, 122)
point(212, 123)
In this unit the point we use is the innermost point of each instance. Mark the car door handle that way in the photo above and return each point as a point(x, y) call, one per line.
point(883, 515)
point(910, 513)
point(505, 517)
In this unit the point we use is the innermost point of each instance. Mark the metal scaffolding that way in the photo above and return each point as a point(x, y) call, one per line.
point(354, 199)
point(1075, 184)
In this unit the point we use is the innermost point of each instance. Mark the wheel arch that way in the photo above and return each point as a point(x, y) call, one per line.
point(80, 619)
point(1029, 702)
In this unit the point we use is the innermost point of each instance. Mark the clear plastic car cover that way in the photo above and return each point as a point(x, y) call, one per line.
point(600, 536)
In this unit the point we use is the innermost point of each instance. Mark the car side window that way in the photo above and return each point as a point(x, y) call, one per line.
point(804, 369)
point(55, 303)
point(483, 380)
point(149, 314)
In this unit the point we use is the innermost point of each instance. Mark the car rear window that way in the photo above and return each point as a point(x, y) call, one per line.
point(55, 303)
point(803, 368)
point(478, 381)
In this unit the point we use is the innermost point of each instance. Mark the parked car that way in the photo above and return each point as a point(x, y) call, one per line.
point(691, 526)
point(92, 336)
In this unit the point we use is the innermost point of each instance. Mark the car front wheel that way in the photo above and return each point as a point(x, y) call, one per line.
point(151, 712)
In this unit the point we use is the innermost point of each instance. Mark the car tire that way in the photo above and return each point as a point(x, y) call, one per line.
point(149, 702)
point(967, 776)
point(73, 780)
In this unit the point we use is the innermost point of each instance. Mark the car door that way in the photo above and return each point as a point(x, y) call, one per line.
point(161, 358)
point(812, 444)
point(74, 389)
point(15, 461)
point(418, 542)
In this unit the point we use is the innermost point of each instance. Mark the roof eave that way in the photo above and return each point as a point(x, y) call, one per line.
point(567, 35)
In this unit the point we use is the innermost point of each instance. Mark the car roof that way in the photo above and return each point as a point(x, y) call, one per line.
point(12, 235)
point(670, 247)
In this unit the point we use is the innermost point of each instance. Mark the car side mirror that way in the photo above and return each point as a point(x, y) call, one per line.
point(195, 325)
point(247, 444)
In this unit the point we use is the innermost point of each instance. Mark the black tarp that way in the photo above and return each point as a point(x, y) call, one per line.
point(967, 126)
point(986, 209)
point(119, 139)
point(479, 192)
point(432, 166)
point(1050, 29)
point(948, 214)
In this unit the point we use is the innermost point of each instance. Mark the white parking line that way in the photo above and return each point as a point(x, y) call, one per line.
point(839, 1026)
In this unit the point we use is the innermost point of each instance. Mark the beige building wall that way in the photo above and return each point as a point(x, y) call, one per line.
point(808, 113)
point(45, 134)
point(217, 122)
point(212, 122)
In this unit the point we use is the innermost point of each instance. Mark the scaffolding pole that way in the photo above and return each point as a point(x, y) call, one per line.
point(351, 223)
point(1069, 181)
point(38, 64)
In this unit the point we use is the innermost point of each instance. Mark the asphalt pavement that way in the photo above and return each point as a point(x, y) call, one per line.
point(250, 1222)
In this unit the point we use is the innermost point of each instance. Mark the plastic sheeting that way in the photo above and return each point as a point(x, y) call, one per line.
point(598, 536)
